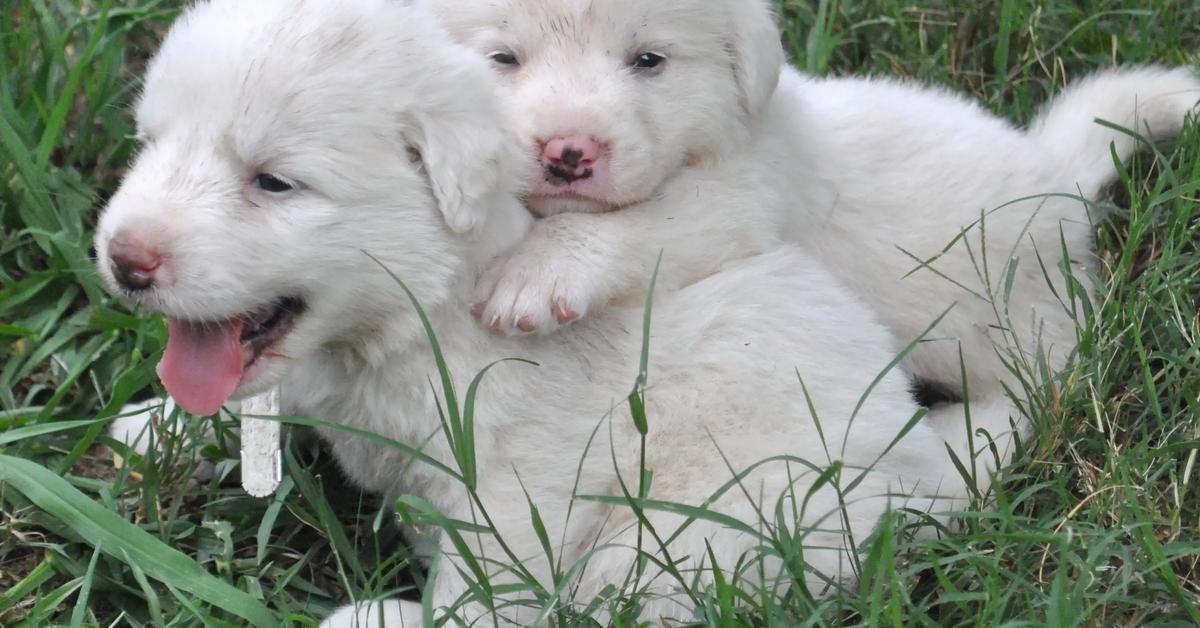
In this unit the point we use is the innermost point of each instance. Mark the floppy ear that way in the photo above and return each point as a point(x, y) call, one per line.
point(757, 53)
point(461, 153)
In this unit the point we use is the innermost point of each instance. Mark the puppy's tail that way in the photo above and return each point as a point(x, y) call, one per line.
point(983, 435)
point(1151, 101)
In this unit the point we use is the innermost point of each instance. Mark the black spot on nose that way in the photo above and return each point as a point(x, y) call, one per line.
point(130, 275)
point(571, 157)
point(562, 176)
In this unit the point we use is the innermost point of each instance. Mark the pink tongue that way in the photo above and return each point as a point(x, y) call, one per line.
point(202, 365)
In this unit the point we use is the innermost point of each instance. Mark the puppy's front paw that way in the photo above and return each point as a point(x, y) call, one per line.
point(398, 613)
point(531, 292)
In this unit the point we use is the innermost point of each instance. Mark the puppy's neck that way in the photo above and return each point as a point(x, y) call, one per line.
point(400, 333)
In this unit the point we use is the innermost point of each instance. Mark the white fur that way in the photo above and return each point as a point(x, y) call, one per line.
point(898, 181)
point(333, 95)
point(911, 196)
point(1148, 102)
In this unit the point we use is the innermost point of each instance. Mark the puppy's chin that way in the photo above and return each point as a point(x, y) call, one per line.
point(262, 376)
point(545, 206)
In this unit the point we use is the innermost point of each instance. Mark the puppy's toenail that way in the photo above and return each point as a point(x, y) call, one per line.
point(564, 314)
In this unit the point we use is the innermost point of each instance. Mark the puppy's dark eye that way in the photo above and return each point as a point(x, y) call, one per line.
point(503, 57)
point(648, 61)
point(273, 184)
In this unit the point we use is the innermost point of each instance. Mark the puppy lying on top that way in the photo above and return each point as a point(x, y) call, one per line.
point(675, 126)
point(284, 139)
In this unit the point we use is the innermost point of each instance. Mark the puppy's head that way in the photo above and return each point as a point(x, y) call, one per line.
point(281, 139)
point(610, 99)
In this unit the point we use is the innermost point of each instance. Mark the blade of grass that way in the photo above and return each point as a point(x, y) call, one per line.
point(121, 539)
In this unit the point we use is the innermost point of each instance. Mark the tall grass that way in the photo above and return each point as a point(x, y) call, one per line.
point(1098, 522)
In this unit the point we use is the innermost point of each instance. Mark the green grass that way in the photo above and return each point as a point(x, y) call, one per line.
point(1098, 523)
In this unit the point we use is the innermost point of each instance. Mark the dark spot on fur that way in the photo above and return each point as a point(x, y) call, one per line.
point(929, 394)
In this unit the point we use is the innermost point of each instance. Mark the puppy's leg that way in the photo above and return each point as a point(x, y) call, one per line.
point(570, 263)
point(450, 591)
point(389, 613)
point(739, 556)
point(565, 265)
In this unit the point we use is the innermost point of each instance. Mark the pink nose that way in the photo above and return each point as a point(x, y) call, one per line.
point(134, 264)
point(571, 158)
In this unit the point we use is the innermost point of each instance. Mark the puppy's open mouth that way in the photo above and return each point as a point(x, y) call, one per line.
point(205, 362)
point(270, 325)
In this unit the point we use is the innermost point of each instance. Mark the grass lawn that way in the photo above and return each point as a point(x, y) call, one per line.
point(1098, 522)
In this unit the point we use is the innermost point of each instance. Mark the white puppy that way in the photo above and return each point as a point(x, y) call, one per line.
point(669, 112)
point(284, 139)
point(616, 103)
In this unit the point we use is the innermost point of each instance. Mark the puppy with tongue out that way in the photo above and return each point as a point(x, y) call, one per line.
point(204, 363)
point(282, 139)
point(267, 168)
point(273, 155)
